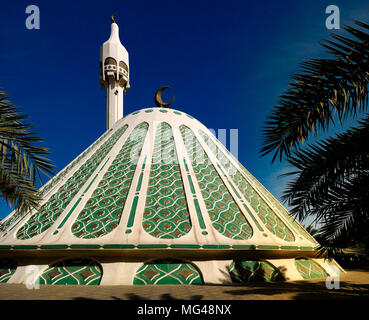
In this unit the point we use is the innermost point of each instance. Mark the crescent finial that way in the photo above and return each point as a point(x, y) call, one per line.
point(159, 101)
point(112, 18)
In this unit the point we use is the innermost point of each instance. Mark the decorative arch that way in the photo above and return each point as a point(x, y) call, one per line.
point(7, 268)
point(73, 272)
point(110, 60)
point(310, 269)
point(254, 271)
point(123, 65)
point(167, 271)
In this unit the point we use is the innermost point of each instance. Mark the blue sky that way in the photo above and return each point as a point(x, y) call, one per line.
point(227, 62)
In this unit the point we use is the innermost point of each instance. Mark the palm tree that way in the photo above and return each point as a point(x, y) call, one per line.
point(312, 231)
point(331, 180)
point(21, 162)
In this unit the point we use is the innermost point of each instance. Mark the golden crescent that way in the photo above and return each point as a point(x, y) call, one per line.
point(159, 101)
point(112, 18)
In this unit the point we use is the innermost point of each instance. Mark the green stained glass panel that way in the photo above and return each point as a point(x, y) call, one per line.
point(53, 208)
point(271, 221)
point(309, 269)
point(102, 212)
point(224, 213)
point(254, 271)
point(167, 272)
point(166, 214)
point(72, 272)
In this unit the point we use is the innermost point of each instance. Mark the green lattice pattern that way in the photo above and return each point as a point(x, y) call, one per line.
point(166, 213)
point(271, 221)
point(224, 213)
point(254, 271)
point(7, 269)
point(280, 208)
point(309, 269)
point(52, 209)
point(67, 169)
point(5, 225)
point(72, 272)
point(102, 212)
point(9, 222)
point(167, 272)
point(270, 198)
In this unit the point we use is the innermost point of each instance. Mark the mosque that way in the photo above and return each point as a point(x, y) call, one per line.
point(157, 199)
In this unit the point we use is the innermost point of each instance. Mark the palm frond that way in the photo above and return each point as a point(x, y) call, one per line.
point(325, 166)
point(21, 161)
point(346, 218)
point(324, 89)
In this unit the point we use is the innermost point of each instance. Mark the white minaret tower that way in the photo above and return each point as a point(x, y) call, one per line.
point(114, 74)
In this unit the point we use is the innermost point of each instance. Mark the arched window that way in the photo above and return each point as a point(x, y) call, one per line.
point(254, 271)
point(123, 65)
point(110, 60)
point(7, 269)
point(309, 269)
point(167, 272)
point(73, 271)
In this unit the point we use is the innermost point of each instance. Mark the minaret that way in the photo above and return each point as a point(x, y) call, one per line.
point(114, 74)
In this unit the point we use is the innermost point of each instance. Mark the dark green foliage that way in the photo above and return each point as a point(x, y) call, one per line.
point(331, 180)
point(21, 162)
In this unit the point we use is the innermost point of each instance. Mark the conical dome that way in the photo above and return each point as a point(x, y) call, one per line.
point(158, 193)
point(156, 199)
